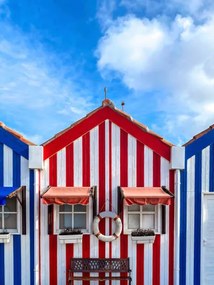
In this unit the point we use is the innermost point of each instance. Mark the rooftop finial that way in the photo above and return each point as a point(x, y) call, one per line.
point(105, 92)
point(122, 104)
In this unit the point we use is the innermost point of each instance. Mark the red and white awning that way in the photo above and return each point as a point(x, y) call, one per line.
point(145, 195)
point(67, 195)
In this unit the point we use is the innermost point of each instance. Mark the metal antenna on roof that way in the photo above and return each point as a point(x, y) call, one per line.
point(122, 104)
point(105, 92)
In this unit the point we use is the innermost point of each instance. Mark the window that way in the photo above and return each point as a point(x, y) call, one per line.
point(137, 216)
point(72, 216)
point(9, 216)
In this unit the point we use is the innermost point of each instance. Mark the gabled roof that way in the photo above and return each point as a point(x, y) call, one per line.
point(199, 135)
point(199, 142)
point(96, 117)
point(14, 140)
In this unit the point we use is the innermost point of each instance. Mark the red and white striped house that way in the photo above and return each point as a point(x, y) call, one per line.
point(111, 153)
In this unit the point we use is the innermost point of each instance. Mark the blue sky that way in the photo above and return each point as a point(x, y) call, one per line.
point(56, 56)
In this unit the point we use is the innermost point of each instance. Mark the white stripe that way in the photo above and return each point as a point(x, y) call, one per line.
point(115, 181)
point(36, 225)
point(148, 248)
point(25, 239)
point(94, 166)
point(164, 250)
point(94, 180)
point(190, 220)
point(61, 263)
point(44, 229)
point(8, 262)
point(8, 166)
point(205, 175)
point(78, 162)
point(132, 167)
point(148, 166)
point(107, 221)
point(115, 164)
point(78, 253)
point(132, 253)
point(8, 247)
point(61, 168)
point(148, 254)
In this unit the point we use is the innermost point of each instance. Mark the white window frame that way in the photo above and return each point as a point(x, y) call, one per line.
point(18, 217)
point(157, 214)
point(57, 230)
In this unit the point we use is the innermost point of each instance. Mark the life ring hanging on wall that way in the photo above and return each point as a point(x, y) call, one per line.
point(118, 222)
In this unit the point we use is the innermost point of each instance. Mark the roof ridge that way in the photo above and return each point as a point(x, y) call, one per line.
point(15, 134)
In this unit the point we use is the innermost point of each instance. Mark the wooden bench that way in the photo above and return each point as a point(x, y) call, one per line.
point(99, 265)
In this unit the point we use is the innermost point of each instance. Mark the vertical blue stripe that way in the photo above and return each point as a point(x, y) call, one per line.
point(32, 227)
point(197, 222)
point(16, 169)
point(1, 164)
point(17, 238)
point(183, 224)
point(211, 172)
point(17, 259)
point(2, 277)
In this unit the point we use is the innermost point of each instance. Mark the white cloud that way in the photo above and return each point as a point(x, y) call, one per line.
point(176, 59)
point(196, 8)
point(34, 94)
point(105, 12)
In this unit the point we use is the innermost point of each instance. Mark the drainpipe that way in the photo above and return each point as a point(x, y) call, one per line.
point(177, 163)
point(177, 228)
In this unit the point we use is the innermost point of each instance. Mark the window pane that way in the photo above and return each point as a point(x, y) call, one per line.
point(80, 221)
point(11, 205)
point(134, 208)
point(65, 221)
point(0, 208)
point(149, 221)
point(133, 221)
point(149, 208)
point(65, 208)
point(79, 208)
point(10, 221)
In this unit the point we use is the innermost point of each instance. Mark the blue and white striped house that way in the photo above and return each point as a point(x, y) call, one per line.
point(197, 211)
point(17, 209)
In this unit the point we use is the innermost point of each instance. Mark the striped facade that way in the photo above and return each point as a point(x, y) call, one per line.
point(107, 149)
point(197, 184)
point(17, 262)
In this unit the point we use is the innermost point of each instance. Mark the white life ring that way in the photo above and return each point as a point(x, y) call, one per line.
point(118, 223)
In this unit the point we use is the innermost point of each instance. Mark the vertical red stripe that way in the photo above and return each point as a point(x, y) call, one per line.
point(171, 229)
point(123, 158)
point(86, 159)
point(86, 254)
point(86, 182)
point(102, 197)
point(69, 255)
point(53, 238)
point(70, 165)
point(123, 182)
point(156, 245)
point(140, 164)
point(69, 182)
point(140, 183)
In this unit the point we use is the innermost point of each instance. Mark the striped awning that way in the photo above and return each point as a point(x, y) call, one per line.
point(66, 195)
point(8, 192)
point(146, 195)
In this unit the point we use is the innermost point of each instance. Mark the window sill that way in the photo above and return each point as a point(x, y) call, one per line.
point(4, 238)
point(65, 239)
point(143, 239)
